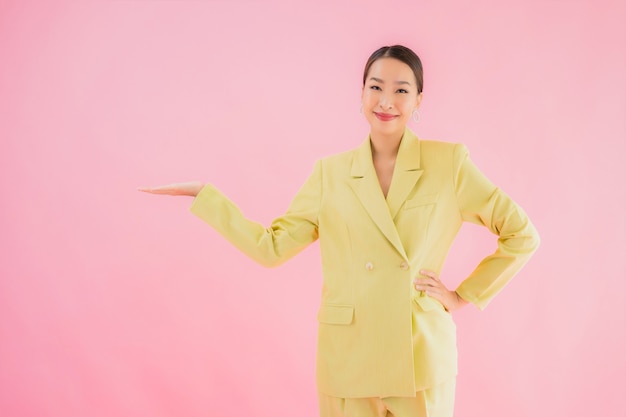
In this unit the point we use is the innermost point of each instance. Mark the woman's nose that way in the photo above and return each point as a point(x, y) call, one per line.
point(385, 102)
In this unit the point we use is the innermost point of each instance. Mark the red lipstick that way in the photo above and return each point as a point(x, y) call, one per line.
point(385, 117)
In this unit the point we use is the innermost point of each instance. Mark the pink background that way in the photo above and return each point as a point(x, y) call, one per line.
point(118, 303)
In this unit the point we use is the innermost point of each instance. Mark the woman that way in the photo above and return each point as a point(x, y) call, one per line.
point(386, 214)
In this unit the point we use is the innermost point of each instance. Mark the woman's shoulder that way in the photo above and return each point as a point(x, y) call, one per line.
point(442, 150)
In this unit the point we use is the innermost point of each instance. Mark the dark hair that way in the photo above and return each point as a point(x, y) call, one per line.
point(401, 53)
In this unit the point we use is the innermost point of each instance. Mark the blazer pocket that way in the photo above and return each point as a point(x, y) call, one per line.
point(335, 314)
point(420, 200)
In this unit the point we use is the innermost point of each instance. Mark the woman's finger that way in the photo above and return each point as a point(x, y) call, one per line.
point(430, 274)
point(155, 190)
point(170, 189)
point(426, 282)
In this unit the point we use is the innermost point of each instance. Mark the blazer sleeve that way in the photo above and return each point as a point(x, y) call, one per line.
point(482, 203)
point(270, 246)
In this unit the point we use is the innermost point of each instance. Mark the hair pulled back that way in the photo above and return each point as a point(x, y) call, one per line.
point(401, 53)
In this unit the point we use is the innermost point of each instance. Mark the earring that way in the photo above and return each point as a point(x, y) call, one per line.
point(415, 116)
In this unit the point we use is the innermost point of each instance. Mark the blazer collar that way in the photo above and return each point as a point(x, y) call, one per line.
point(408, 158)
point(367, 187)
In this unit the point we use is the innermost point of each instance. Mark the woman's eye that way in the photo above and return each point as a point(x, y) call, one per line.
point(375, 87)
point(403, 91)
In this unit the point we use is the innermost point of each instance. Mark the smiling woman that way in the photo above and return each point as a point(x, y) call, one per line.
point(393, 81)
point(392, 93)
point(386, 214)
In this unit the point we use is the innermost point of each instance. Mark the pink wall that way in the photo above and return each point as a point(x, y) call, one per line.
point(117, 303)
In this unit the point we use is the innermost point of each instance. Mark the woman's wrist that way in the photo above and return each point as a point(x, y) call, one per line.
point(460, 300)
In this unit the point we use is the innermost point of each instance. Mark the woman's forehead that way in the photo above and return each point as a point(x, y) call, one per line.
point(390, 70)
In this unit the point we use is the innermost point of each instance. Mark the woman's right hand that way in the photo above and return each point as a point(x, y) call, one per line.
point(180, 188)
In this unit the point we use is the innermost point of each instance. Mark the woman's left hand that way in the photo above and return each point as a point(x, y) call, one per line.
point(433, 287)
point(180, 188)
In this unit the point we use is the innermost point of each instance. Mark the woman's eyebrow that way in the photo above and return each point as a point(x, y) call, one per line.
point(378, 80)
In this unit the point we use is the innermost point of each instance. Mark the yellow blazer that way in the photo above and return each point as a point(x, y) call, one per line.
point(377, 335)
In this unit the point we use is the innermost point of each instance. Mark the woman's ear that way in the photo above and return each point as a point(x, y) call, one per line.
point(418, 100)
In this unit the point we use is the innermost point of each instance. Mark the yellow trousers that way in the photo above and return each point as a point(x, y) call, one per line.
point(437, 401)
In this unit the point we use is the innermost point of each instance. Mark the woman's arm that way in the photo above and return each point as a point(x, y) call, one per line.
point(483, 203)
point(270, 246)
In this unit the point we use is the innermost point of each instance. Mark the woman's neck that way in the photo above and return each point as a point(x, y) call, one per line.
point(385, 146)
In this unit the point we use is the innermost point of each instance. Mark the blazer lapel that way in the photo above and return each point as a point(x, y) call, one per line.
point(364, 183)
point(406, 172)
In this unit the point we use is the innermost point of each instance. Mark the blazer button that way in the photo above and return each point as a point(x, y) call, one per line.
point(369, 266)
point(404, 266)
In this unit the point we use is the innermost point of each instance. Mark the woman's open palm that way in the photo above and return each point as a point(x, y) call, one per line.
point(180, 188)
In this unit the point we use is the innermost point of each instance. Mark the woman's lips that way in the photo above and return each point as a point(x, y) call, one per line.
point(385, 117)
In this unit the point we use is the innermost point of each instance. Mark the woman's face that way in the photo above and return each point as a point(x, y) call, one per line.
point(389, 96)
